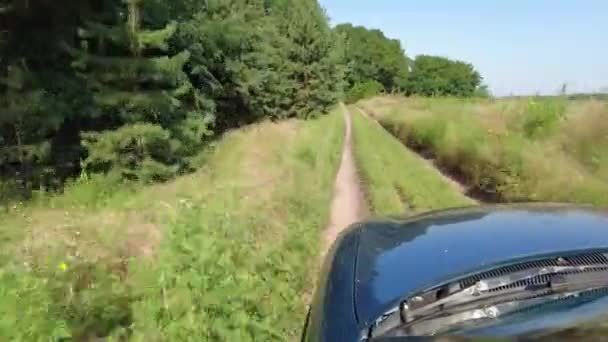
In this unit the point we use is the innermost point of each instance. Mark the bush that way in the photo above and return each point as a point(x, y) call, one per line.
point(542, 117)
point(364, 90)
point(10, 191)
point(143, 152)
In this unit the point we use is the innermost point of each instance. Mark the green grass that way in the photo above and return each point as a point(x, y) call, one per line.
point(396, 180)
point(536, 149)
point(228, 253)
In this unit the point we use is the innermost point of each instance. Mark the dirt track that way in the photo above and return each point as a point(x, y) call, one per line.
point(450, 179)
point(348, 204)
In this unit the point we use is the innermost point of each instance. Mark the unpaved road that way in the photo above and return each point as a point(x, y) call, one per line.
point(430, 163)
point(348, 204)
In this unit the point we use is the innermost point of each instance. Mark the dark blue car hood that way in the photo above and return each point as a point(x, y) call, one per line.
point(398, 258)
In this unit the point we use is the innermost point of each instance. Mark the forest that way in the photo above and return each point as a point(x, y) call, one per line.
point(135, 89)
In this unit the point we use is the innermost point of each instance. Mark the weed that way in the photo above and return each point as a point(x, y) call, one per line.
point(542, 117)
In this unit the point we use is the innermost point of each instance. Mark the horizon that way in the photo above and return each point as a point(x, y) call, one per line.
point(525, 48)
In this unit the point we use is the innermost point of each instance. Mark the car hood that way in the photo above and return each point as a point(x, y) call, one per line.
point(397, 258)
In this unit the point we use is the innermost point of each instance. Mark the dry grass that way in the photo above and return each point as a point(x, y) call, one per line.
point(517, 149)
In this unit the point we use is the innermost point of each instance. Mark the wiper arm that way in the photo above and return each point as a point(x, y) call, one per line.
point(533, 282)
point(577, 281)
point(443, 323)
point(509, 289)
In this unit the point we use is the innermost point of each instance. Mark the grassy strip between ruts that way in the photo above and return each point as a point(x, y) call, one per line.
point(395, 179)
point(229, 253)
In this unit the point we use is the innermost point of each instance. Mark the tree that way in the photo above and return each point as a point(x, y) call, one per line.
point(137, 86)
point(313, 60)
point(134, 86)
point(238, 58)
point(374, 57)
point(440, 76)
point(150, 118)
point(39, 93)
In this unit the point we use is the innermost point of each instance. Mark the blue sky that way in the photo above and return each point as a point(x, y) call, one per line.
point(519, 46)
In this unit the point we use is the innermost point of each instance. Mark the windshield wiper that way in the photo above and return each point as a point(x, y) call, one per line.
point(442, 323)
point(476, 301)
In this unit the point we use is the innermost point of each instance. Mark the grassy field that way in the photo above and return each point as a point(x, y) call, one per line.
point(534, 149)
point(396, 180)
point(228, 253)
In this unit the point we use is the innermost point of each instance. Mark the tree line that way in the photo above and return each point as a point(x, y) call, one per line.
point(377, 64)
point(136, 88)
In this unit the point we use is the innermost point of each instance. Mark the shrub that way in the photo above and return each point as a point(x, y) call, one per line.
point(10, 191)
point(364, 90)
point(542, 117)
point(140, 152)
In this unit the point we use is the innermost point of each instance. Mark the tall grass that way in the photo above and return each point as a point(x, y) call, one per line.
point(395, 179)
point(228, 253)
point(537, 149)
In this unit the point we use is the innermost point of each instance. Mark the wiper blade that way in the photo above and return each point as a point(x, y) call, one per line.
point(507, 289)
point(443, 323)
point(534, 282)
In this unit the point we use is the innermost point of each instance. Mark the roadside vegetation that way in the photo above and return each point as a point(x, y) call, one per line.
point(227, 253)
point(395, 179)
point(529, 149)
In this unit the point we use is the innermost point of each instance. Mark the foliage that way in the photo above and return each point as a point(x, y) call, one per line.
point(237, 59)
point(38, 96)
point(142, 93)
point(363, 90)
point(440, 76)
point(542, 117)
point(314, 57)
point(371, 56)
point(140, 151)
point(191, 68)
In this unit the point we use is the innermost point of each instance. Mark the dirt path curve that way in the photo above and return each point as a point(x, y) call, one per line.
point(348, 204)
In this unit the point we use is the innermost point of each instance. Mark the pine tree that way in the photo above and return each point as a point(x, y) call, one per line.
point(146, 104)
point(314, 59)
point(37, 92)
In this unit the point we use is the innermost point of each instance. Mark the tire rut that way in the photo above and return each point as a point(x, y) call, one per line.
point(452, 180)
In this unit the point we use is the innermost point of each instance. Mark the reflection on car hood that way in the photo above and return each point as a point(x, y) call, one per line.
point(399, 257)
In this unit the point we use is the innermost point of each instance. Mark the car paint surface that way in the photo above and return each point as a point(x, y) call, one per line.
point(375, 265)
point(397, 259)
